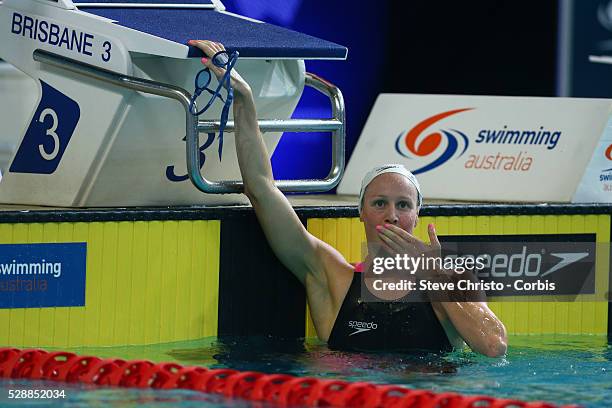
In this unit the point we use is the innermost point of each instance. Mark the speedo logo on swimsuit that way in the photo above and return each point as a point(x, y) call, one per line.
point(361, 326)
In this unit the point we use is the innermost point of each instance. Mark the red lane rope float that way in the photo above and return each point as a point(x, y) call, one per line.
point(280, 389)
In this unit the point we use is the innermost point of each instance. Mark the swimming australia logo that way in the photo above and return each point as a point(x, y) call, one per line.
point(441, 145)
point(361, 327)
point(608, 153)
point(606, 175)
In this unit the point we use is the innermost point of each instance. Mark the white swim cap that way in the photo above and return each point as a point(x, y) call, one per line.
point(389, 168)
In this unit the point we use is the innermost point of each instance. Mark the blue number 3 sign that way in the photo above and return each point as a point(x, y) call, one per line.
point(49, 133)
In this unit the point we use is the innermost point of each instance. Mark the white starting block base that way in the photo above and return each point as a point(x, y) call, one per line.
point(19, 94)
point(143, 139)
point(74, 141)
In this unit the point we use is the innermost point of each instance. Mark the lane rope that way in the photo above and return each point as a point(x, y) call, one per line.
point(279, 389)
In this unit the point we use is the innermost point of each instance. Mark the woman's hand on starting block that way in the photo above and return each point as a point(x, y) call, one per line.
point(210, 48)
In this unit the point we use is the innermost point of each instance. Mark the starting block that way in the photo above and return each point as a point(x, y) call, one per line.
point(101, 116)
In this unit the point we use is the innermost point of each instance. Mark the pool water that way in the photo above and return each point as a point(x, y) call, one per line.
point(558, 369)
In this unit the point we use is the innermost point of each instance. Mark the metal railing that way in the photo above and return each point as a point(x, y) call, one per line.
point(335, 125)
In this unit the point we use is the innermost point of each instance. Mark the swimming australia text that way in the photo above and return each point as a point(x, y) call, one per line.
point(31, 268)
point(524, 137)
point(52, 34)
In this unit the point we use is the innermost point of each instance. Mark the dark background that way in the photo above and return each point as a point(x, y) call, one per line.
point(499, 47)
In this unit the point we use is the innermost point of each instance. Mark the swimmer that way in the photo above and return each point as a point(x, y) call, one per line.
point(389, 206)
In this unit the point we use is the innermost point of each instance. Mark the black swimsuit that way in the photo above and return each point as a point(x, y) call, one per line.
point(386, 326)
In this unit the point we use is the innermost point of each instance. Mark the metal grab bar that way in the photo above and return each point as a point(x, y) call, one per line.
point(335, 125)
point(277, 125)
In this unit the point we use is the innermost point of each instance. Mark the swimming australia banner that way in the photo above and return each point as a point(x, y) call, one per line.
point(42, 275)
point(596, 183)
point(483, 147)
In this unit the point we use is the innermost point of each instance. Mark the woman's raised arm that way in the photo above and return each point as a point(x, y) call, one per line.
point(297, 249)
